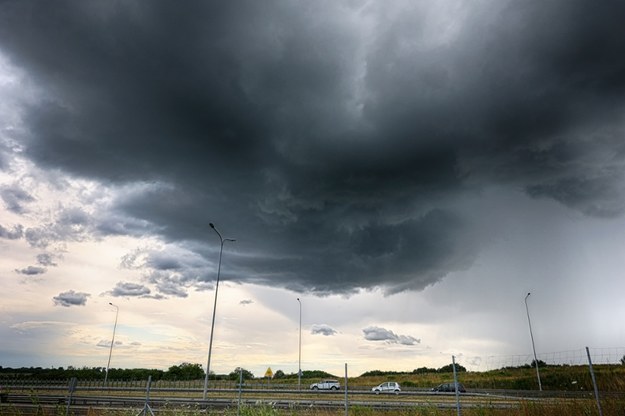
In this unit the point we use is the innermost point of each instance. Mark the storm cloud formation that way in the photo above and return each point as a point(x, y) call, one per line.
point(332, 139)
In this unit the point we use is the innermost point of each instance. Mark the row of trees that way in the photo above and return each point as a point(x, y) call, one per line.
point(449, 368)
point(189, 371)
point(184, 371)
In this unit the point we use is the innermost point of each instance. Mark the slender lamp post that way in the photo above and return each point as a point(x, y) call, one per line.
point(210, 343)
point(106, 376)
point(299, 370)
point(540, 386)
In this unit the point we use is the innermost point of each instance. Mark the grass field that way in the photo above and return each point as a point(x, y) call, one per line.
point(564, 408)
point(563, 378)
point(610, 379)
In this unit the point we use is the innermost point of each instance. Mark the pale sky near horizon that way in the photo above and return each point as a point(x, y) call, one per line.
point(409, 169)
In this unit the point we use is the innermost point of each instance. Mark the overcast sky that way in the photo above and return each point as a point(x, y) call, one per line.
point(409, 169)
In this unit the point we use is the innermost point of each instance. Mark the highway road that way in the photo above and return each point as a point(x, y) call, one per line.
point(136, 398)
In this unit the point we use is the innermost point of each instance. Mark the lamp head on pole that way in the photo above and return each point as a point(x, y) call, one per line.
point(218, 233)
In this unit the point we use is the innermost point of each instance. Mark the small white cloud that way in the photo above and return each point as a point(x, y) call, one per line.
point(28, 325)
point(71, 298)
point(374, 333)
point(31, 270)
point(323, 329)
point(129, 289)
point(107, 343)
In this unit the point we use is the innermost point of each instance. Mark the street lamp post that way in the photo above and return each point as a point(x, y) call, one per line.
point(210, 343)
point(529, 322)
point(106, 376)
point(299, 369)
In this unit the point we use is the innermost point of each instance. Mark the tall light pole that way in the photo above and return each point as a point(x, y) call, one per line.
point(299, 367)
point(210, 343)
point(540, 386)
point(106, 376)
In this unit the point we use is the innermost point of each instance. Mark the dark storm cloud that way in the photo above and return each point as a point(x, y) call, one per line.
point(329, 138)
point(71, 298)
point(172, 284)
point(374, 333)
point(171, 270)
point(31, 270)
point(322, 329)
point(70, 224)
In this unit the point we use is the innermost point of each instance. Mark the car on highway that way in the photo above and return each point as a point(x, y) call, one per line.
point(449, 388)
point(387, 387)
point(326, 385)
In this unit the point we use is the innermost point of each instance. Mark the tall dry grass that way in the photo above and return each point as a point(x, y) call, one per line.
point(526, 408)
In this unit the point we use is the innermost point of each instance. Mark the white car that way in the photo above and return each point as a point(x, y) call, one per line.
point(388, 387)
point(326, 385)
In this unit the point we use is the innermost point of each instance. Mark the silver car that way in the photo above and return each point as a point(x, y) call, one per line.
point(326, 385)
point(387, 387)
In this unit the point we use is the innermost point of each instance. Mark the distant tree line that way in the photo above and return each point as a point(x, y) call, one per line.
point(449, 368)
point(305, 374)
point(184, 371)
point(278, 375)
point(189, 371)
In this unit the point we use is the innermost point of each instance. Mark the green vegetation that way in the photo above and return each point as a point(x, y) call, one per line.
point(240, 372)
point(449, 368)
point(558, 408)
point(560, 377)
point(611, 378)
point(184, 371)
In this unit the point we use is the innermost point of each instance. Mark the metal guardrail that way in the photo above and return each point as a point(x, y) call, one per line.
point(33, 399)
point(331, 401)
point(164, 386)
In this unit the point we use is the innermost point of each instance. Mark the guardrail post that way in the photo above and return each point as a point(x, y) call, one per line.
point(346, 400)
point(147, 407)
point(240, 387)
point(594, 382)
point(453, 364)
point(72, 389)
